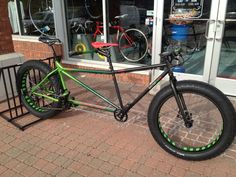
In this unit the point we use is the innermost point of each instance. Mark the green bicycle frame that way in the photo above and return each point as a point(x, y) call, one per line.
point(63, 72)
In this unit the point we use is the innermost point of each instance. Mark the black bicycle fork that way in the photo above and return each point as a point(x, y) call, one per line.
point(183, 111)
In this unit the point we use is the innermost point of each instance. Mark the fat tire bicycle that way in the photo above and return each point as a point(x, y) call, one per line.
point(190, 119)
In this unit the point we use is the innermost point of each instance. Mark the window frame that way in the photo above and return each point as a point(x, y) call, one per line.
point(22, 36)
point(87, 63)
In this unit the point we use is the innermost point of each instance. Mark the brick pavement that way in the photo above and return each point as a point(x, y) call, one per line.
point(91, 143)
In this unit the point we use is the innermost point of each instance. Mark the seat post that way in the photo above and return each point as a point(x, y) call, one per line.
point(114, 79)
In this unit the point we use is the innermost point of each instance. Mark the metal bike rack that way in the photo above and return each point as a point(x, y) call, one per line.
point(11, 108)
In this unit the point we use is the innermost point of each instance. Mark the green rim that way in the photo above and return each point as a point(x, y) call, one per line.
point(186, 148)
point(30, 101)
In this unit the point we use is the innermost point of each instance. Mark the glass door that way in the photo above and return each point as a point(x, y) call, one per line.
point(223, 74)
point(188, 26)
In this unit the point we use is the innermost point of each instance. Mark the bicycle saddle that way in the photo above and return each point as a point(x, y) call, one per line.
point(97, 45)
point(48, 40)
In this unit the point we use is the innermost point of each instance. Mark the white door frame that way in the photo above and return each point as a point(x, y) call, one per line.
point(210, 34)
point(224, 84)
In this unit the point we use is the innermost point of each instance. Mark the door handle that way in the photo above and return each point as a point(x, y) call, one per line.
point(207, 29)
point(221, 26)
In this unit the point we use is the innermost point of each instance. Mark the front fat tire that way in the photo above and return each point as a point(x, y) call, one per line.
point(214, 95)
point(26, 78)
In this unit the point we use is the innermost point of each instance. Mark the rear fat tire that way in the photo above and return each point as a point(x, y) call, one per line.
point(226, 110)
point(36, 67)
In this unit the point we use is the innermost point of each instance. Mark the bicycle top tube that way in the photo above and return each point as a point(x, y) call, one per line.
point(120, 71)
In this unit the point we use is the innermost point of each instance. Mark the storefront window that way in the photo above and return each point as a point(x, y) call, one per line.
point(227, 61)
point(31, 17)
point(131, 24)
point(82, 17)
point(13, 16)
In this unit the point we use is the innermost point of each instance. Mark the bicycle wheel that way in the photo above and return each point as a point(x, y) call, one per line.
point(213, 116)
point(93, 8)
point(45, 16)
point(133, 45)
point(30, 74)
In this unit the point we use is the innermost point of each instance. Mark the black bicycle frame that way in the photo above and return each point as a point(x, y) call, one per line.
point(113, 72)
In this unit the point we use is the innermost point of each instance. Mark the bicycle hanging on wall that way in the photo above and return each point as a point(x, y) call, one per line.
point(189, 119)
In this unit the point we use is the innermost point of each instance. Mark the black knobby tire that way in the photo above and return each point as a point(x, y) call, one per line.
point(213, 116)
point(133, 45)
point(30, 74)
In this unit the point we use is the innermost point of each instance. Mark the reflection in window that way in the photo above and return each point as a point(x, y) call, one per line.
point(13, 16)
point(83, 27)
point(231, 10)
point(41, 12)
point(184, 30)
point(131, 25)
point(227, 61)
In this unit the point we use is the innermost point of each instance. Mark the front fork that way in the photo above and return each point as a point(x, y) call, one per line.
point(183, 111)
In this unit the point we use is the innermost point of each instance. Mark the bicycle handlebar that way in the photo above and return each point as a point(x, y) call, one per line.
point(171, 55)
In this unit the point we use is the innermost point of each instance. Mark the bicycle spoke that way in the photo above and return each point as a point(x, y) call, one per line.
point(204, 122)
point(133, 45)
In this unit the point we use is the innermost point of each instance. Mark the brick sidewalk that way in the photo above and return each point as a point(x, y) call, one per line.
point(88, 143)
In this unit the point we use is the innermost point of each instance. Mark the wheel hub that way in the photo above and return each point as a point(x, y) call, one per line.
point(188, 121)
